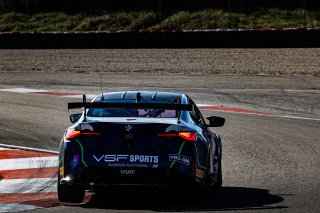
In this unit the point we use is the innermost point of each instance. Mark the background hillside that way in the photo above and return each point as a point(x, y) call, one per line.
point(110, 15)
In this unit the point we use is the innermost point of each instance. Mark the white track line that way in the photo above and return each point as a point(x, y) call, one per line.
point(28, 163)
point(4, 146)
point(268, 115)
point(23, 90)
point(294, 117)
point(1, 148)
point(33, 185)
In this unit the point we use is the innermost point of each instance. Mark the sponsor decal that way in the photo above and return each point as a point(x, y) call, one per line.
point(180, 158)
point(121, 160)
point(128, 136)
point(61, 170)
point(144, 158)
point(111, 158)
point(199, 173)
point(132, 165)
point(127, 172)
point(155, 166)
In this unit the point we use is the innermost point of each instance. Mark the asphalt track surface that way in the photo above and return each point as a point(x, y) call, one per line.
point(270, 163)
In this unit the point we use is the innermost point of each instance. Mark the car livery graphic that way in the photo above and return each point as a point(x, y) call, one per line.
point(138, 137)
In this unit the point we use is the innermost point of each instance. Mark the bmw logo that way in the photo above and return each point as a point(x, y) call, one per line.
point(128, 128)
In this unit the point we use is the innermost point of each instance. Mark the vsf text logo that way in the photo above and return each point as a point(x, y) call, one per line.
point(111, 158)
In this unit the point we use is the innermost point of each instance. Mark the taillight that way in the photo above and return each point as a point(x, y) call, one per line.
point(189, 136)
point(91, 133)
point(168, 135)
point(70, 134)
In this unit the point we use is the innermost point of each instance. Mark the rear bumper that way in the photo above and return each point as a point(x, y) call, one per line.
point(129, 176)
point(84, 166)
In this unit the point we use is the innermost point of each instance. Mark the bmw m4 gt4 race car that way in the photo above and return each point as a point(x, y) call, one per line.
point(147, 138)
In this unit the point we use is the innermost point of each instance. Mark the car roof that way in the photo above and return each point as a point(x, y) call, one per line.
point(145, 96)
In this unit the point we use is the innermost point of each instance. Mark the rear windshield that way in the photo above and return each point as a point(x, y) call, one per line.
point(151, 113)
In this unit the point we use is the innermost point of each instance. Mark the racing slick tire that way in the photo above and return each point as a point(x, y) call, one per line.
point(217, 186)
point(70, 193)
point(210, 189)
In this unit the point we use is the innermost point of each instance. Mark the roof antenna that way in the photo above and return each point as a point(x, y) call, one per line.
point(102, 97)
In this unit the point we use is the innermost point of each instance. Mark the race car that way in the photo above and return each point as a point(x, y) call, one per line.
point(138, 138)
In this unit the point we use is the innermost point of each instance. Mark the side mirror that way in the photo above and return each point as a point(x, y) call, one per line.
point(75, 117)
point(215, 121)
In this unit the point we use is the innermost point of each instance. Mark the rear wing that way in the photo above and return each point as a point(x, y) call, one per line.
point(77, 105)
point(138, 105)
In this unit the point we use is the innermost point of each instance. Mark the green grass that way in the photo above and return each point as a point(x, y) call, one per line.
point(204, 19)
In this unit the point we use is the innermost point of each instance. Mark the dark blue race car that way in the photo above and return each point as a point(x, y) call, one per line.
point(130, 138)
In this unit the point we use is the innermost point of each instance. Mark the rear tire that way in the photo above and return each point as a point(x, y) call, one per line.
point(207, 188)
point(217, 186)
point(70, 193)
point(210, 189)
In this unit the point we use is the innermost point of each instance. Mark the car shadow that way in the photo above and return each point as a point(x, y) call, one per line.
point(229, 198)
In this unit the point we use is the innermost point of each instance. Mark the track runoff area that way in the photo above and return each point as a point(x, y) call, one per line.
point(30, 175)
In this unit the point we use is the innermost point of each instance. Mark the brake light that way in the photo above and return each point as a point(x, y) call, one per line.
point(70, 134)
point(189, 136)
point(91, 133)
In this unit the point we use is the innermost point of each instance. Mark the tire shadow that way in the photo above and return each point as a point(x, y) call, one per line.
point(229, 198)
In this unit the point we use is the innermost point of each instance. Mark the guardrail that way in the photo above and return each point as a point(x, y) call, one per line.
point(209, 38)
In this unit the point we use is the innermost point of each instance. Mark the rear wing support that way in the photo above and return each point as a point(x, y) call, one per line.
point(84, 100)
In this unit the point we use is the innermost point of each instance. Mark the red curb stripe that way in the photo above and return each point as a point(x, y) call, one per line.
point(10, 154)
point(48, 172)
point(58, 93)
point(232, 109)
point(45, 203)
point(21, 197)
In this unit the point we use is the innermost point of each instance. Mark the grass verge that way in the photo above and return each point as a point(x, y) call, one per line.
point(203, 19)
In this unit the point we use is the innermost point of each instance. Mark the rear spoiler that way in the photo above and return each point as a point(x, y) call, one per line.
point(77, 105)
point(137, 105)
point(85, 105)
